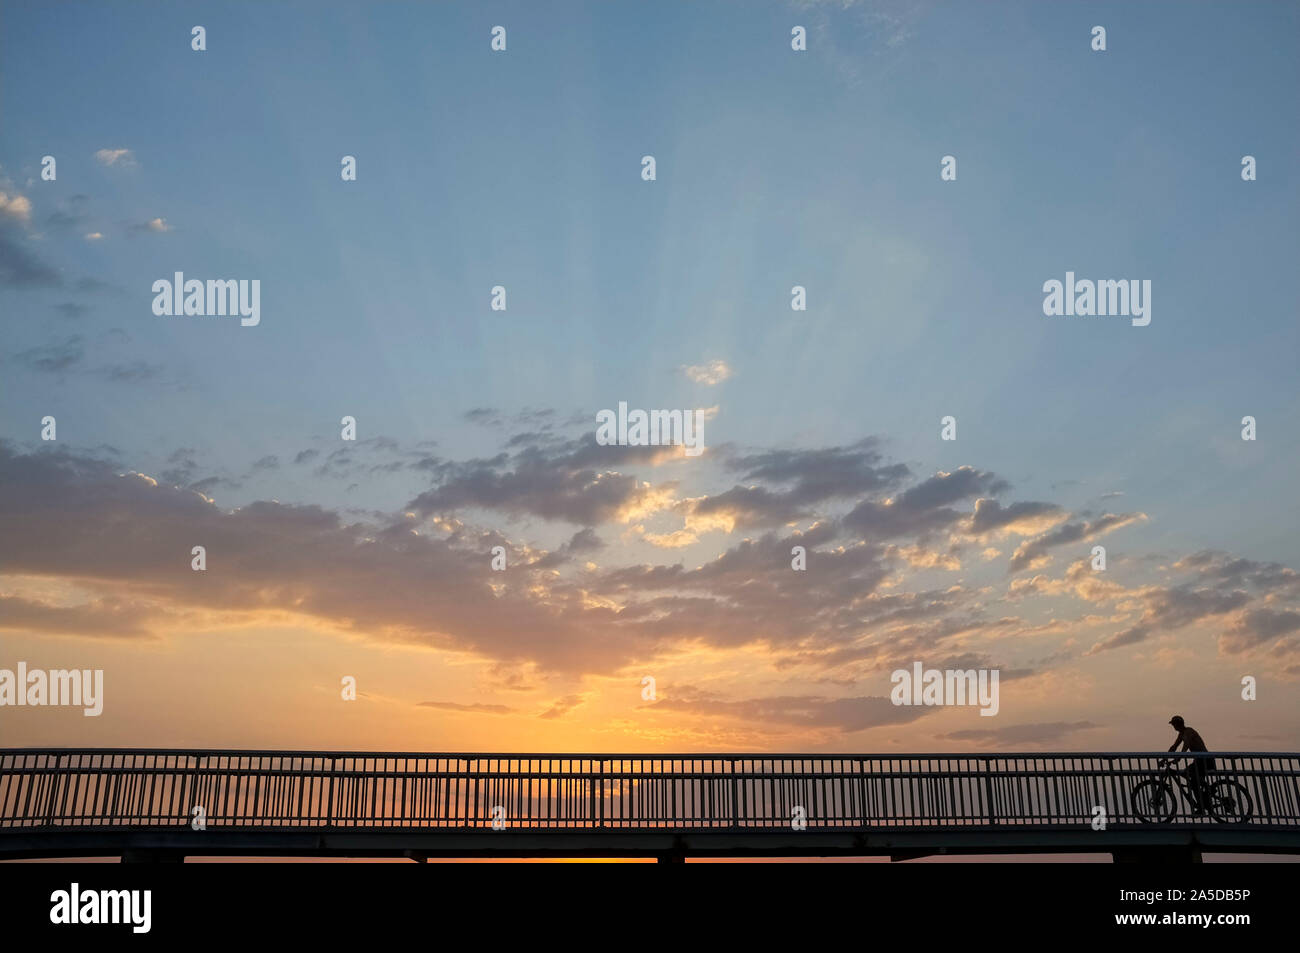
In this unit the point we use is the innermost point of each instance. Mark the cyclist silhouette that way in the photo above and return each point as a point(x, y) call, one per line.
point(1197, 772)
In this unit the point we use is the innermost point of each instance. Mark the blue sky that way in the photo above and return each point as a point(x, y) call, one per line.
point(775, 168)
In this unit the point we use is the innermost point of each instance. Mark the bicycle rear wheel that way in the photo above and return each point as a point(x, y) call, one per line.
point(1153, 802)
point(1230, 802)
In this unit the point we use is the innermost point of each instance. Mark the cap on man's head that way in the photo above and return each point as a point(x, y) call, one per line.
point(1176, 721)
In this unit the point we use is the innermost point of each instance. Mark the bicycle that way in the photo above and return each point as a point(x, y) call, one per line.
point(1154, 801)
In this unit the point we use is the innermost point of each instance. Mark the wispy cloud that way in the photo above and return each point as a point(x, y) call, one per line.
point(709, 374)
point(156, 225)
point(15, 207)
point(120, 158)
point(52, 358)
point(475, 709)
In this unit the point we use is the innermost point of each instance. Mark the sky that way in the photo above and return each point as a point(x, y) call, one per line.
point(371, 558)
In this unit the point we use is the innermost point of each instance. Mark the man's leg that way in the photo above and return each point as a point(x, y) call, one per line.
point(1204, 767)
point(1192, 774)
point(1199, 785)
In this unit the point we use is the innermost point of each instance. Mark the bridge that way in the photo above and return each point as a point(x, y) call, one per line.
point(164, 805)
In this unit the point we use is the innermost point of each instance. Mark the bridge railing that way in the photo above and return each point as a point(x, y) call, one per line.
point(134, 789)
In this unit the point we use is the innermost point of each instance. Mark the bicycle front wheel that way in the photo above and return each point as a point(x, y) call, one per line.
point(1230, 802)
point(1153, 802)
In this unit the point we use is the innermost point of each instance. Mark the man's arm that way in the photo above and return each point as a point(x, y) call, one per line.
point(1174, 746)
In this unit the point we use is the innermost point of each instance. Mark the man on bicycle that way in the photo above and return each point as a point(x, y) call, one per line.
point(1198, 771)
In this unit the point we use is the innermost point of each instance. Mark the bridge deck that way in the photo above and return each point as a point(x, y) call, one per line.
point(80, 802)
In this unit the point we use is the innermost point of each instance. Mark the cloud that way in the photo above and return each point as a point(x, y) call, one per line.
point(1020, 734)
point(420, 577)
point(19, 268)
point(94, 236)
point(802, 478)
point(70, 309)
point(68, 355)
point(709, 374)
point(843, 715)
point(70, 214)
point(1166, 609)
point(120, 158)
point(573, 481)
point(1259, 627)
point(52, 358)
point(563, 706)
point(477, 709)
point(70, 515)
point(157, 226)
point(103, 617)
point(543, 419)
point(15, 207)
point(130, 372)
point(1032, 553)
point(1022, 519)
point(1228, 570)
point(923, 508)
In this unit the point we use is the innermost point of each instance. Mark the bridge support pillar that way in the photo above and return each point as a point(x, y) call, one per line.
point(1173, 854)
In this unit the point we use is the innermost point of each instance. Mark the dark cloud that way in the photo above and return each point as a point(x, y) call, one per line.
point(562, 706)
point(803, 479)
point(817, 475)
point(1228, 570)
point(52, 358)
point(753, 506)
point(73, 515)
point(1028, 552)
point(990, 516)
point(574, 481)
point(585, 541)
point(183, 471)
point(543, 419)
point(923, 508)
point(70, 309)
point(132, 372)
point(64, 514)
point(355, 459)
point(1166, 609)
point(478, 709)
point(105, 617)
point(1020, 734)
point(71, 214)
point(19, 268)
point(845, 715)
point(68, 356)
point(1258, 627)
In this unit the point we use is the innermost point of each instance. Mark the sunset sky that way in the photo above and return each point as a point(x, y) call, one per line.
point(476, 428)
